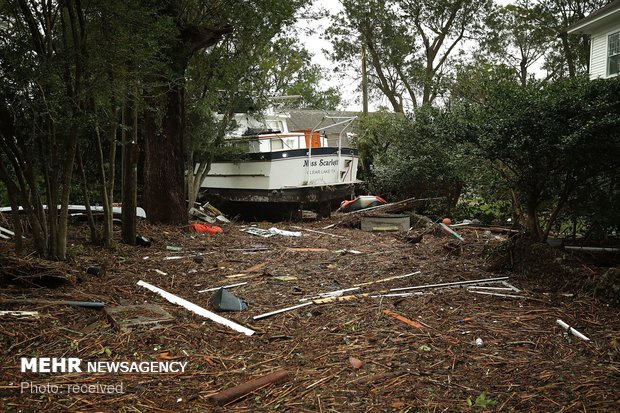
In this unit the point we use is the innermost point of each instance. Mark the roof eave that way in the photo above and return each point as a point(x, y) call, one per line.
point(587, 25)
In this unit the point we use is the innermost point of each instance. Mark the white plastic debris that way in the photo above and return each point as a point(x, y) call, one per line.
point(571, 330)
point(285, 233)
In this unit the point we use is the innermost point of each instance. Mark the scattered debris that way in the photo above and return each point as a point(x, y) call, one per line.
point(174, 248)
point(355, 363)
point(361, 202)
point(196, 213)
point(282, 310)
point(495, 294)
point(94, 270)
point(285, 278)
point(258, 232)
point(590, 249)
point(307, 249)
point(85, 304)
point(452, 284)
point(224, 286)
point(126, 317)
point(242, 390)
point(451, 231)
point(571, 330)
point(285, 233)
point(206, 229)
point(386, 222)
point(320, 232)
point(402, 318)
point(347, 251)
point(224, 300)
point(21, 314)
point(6, 233)
point(218, 214)
point(196, 309)
point(143, 241)
point(339, 293)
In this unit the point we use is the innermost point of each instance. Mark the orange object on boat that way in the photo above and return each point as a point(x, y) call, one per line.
point(206, 228)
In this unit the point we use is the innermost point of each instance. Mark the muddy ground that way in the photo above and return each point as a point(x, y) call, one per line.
point(463, 351)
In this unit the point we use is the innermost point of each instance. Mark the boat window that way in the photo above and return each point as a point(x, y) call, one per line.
point(253, 146)
point(276, 144)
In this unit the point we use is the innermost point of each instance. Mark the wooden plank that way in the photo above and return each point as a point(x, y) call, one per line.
point(237, 392)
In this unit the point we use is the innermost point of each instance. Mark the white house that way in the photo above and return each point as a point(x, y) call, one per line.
point(603, 26)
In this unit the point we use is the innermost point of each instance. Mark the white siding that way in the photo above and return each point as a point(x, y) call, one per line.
point(598, 50)
point(598, 57)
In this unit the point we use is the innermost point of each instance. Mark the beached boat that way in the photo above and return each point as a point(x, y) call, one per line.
point(283, 170)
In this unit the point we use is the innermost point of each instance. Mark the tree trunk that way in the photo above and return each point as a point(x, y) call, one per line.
point(164, 181)
point(131, 155)
point(94, 233)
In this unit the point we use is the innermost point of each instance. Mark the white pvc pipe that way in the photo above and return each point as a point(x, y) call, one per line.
point(282, 310)
point(571, 330)
point(224, 286)
point(197, 309)
point(452, 284)
point(590, 249)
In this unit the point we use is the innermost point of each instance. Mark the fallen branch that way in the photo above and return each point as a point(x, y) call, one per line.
point(237, 392)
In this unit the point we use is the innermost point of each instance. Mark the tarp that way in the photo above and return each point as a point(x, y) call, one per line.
point(206, 228)
point(223, 300)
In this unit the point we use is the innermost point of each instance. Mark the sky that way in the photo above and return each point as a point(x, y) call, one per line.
point(316, 45)
point(348, 84)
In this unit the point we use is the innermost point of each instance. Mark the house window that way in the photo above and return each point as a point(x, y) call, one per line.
point(613, 55)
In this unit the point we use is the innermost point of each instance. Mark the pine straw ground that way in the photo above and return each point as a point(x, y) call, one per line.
point(526, 362)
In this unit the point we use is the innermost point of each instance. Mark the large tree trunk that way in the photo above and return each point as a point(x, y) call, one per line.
point(164, 181)
point(164, 177)
point(131, 155)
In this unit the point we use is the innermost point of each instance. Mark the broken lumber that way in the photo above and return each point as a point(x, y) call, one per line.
point(452, 284)
point(338, 293)
point(86, 304)
point(242, 390)
point(402, 318)
point(196, 309)
point(25, 314)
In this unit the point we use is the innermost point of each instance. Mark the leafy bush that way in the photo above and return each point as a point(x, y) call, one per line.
point(407, 157)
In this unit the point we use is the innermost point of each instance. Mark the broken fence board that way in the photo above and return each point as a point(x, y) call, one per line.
point(196, 309)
